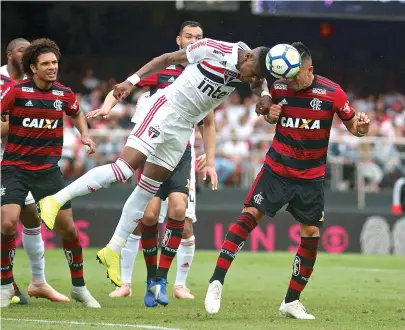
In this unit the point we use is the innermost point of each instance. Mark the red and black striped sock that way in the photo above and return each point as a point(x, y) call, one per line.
point(302, 268)
point(74, 256)
point(8, 246)
point(170, 243)
point(233, 243)
point(149, 241)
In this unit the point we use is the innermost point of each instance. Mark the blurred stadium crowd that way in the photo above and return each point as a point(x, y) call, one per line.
point(244, 138)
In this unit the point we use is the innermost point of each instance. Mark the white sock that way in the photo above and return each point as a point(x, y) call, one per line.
point(96, 178)
point(128, 256)
point(185, 255)
point(133, 211)
point(34, 246)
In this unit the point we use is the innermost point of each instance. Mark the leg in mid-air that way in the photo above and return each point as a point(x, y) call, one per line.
point(34, 247)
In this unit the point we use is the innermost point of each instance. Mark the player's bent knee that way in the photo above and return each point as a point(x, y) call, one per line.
point(309, 231)
point(150, 219)
point(188, 228)
point(123, 170)
point(257, 214)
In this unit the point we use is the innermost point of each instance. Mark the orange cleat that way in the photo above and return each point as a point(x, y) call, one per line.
point(181, 292)
point(123, 291)
point(44, 290)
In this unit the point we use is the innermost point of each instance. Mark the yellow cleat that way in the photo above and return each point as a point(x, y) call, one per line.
point(48, 210)
point(15, 300)
point(112, 261)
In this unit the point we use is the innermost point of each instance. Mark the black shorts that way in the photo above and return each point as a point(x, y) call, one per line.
point(179, 179)
point(305, 199)
point(17, 182)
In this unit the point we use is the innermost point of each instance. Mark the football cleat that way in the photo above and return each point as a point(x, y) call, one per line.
point(149, 299)
point(44, 290)
point(213, 297)
point(6, 293)
point(124, 291)
point(19, 297)
point(181, 292)
point(296, 310)
point(112, 261)
point(81, 294)
point(48, 209)
point(158, 289)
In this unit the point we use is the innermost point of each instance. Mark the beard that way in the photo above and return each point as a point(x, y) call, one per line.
point(17, 65)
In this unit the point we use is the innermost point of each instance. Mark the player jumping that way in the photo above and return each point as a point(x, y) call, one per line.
point(171, 199)
point(214, 70)
point(31, 234)
point(36, 106)
point(293, 173)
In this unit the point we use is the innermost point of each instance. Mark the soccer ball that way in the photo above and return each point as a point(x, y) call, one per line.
point(283, 61)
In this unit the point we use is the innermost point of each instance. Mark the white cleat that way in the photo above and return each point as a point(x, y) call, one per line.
point(7, 291)
point(213, 297)
point(81, 294)
point(296, 310)
point(123, 291)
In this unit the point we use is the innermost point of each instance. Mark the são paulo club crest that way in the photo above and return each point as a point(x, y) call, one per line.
point(154, 132)
point(229, 76)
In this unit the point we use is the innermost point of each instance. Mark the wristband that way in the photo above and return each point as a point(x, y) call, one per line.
point(265, 93)
point(134, 79)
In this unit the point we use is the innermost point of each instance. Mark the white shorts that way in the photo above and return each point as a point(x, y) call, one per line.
point(29, 199)
point(161, 134)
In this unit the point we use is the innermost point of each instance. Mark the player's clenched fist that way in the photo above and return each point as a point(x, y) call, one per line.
point(274, 113)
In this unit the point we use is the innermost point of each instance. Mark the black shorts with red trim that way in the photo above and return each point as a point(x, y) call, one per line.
point(305, 198)
point(17, 182)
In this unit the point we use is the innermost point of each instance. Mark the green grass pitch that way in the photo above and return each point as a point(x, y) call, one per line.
point(345, 292)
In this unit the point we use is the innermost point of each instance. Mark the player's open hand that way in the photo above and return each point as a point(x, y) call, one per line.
point(201, 162)
point(122, 90)
point(274, 113)
point(263, 106)
point(98, 112)
point(87, 141)
point(363, 123)
point(209, 170)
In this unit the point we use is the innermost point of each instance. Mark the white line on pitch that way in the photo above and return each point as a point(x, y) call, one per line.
point(139, 326)
point(388, 270)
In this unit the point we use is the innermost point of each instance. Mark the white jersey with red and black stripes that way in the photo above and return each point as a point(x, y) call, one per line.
point(208, 79)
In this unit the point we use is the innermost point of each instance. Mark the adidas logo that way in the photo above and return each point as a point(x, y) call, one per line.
point(223, 63)
point(283, 102)
point(171, 79)
point(29, 104)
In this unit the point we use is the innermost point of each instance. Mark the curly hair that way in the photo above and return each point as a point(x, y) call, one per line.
point(38, 47)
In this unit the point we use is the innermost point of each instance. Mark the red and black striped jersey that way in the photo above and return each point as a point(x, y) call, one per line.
point(300, 145)
point(162, 79)
point(35, 138)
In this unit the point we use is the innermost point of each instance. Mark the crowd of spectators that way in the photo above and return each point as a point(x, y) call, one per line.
point(243, 137)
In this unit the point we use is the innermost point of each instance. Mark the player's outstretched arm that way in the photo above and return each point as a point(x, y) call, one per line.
point(260, 88)
point(109, 103)
point(122, 90)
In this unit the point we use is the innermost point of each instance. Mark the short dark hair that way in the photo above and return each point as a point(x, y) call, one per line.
point(38, 47)
point(303, 50)
point(191, 24)
point(263, 51)
point(13, 43)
